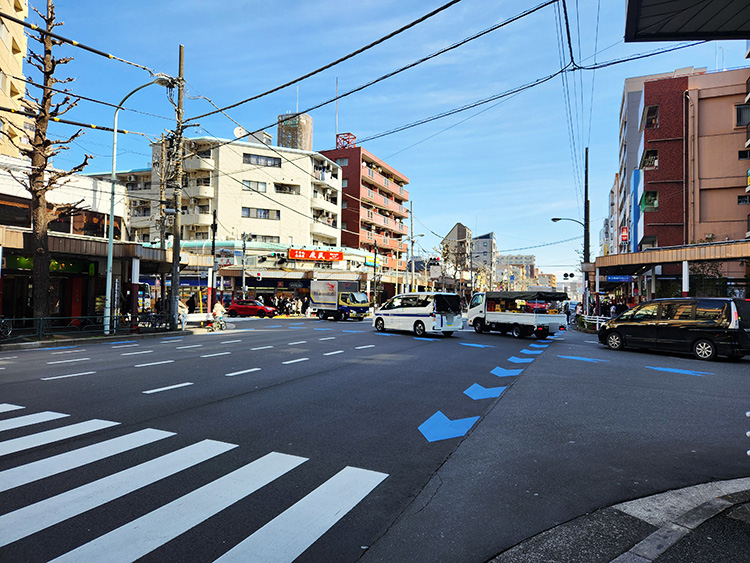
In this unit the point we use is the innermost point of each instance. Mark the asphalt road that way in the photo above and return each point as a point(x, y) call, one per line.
point(328, 441)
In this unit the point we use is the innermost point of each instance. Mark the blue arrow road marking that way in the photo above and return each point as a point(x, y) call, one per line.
point(274, 326)
point(683, 371)
point(546, 341)
point(477, 392)
point(502, 372)
point(538, 345)
point(322, 329)
point(296, 323)
point(440, 427)
point(531, 351)
point(382, 334)
point(520, 360)
point(476, 345)
point(353, 331)
point(592, 360)
point(425, 339)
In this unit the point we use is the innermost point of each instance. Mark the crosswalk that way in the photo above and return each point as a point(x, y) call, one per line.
point(282, 539)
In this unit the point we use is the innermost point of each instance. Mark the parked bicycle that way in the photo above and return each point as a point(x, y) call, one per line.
point(217, 323)
point(6, 327)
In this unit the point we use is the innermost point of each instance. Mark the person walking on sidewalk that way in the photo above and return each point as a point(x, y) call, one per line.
point(182, 313)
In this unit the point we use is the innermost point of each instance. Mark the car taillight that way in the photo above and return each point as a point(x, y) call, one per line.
point(735, 323)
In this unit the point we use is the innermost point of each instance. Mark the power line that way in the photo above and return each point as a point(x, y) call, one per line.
point(69, 122)
point(542, 245)
point(334, 63)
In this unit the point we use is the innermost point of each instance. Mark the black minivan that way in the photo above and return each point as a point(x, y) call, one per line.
point(703, 326)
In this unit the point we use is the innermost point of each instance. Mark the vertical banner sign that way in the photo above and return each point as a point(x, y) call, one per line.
point(623, 234)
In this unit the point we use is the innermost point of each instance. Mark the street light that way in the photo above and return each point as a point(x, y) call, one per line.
point(586, 257)
point(161, 80)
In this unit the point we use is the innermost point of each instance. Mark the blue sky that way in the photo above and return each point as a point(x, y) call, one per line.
point(506, 167)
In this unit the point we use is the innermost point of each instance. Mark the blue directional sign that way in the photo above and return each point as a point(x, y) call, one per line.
point(476, 345)
point(683, 371)
point(622, 279)
point(502, 372)
point(578, 358)
point(440, 427)
point(477, 392)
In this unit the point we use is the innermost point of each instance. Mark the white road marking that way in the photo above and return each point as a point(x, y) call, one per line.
point(137, 353)
point(241, 372)
point(141, 536)
point(36, 470)
point(333, 353)
point(363, 347)
point(68, 361)
point(9, 358)
point(55, 435)
point(125, 345)
point(230, 341)
point(169, 388)
point(38, 516)
point(298, 342)
point(216, 354)
point(7, 407)
point(295, 361)
point(29, 419)
point(68, 351)
point(288, 535)
point(328, 338)
point(189, 346)
point(154, 364)
point(66, 376)
point(261, 348)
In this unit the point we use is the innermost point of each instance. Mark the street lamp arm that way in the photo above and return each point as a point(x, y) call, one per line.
point(556, 219)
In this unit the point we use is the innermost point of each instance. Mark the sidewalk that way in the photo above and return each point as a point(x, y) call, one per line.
point(700, 524)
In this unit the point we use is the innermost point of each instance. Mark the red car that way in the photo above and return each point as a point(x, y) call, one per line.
point(250, 308)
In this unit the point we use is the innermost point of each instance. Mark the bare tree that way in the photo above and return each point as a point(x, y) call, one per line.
point(41, 177)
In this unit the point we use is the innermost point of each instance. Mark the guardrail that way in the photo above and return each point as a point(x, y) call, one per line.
point(591, 321)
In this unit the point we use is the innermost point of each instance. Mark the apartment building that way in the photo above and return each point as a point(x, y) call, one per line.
point(374, 205)
point(12, 87)
point(484, 256)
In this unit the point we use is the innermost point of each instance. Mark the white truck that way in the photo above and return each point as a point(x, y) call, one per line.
point(339, 300)
point(522, 313)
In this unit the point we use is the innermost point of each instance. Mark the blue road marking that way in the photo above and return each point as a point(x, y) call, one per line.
point(322, 329)
point(274, 326)
point(538, 345)
point(296, 323)
point(520, 360)
point(683, 371)
point(502, 372)
point(171, 337)
point(382, 334)
point(476, 345)
point(425, 339)
point(440, 427)
point(531, 351)
point(580, 359)
point(546, 341)
point(66, 347)
point(297, 328)
point(477, 392)
point(353, 331)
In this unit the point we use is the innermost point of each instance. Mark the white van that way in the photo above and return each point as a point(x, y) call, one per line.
point(421, 312)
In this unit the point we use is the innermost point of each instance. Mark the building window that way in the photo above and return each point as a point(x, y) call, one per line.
point(203, 181)
point(743, 155)
point(253, 186)
point(743, 199)
point(205, 153)
point(342, 161)
point(743, 114)
point(651, 117)
point(650, 201)
point(288, 189)
point(650, 160)
point(344, 183)
point(255, 213)
point(260, 160)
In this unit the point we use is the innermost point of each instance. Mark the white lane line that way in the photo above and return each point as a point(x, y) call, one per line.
point(38, 516)
point(295, 361)
point(363, 347)
point(66, 376)
point(141, 536)
point(328, 338)
point(68, 361)
point(137, 353)
point(241, 372)
point(154, 364)
point(288, 535)
point(7, 407)
point(36, 470)
point(215, 354)
point(169, 388)
point(69, 351)
point(189, 346)
point(230, 341)
point(261, 348)
point(333, 353)
point(298, 342)
point(29, 419)
point(9, 358)
point(125, 345)
point(55, 435)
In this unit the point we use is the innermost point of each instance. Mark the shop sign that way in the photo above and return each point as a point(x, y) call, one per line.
point(319, 255)
point(14, 262)
point(623, 234)
point(621, 279)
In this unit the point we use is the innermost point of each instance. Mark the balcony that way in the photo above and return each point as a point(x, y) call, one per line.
point(381, 201)
point(197, 163)
point(199, 192)
point(370, 216)
point(383, 183)
point(329, 231)
point(140, 221)
point(381, 241)
point(319, 201)
point(197, 219)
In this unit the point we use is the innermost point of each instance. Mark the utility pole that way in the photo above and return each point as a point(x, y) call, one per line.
point(176, 237)
point(162, 214)
point(244, 247)
point(411, 231)
point(212, 277)
point(586, 228)
point(375, 278)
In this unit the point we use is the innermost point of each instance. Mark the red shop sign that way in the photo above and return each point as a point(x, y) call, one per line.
point(320, 255)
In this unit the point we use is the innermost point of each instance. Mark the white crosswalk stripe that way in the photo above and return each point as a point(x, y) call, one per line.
point(283, 538)
point(29, 419)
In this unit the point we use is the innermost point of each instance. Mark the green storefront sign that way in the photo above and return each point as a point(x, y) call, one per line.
point(13, 262)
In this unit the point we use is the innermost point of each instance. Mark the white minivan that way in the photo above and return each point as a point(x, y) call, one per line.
point(420, 312)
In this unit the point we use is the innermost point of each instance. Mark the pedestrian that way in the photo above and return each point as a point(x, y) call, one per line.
point(191, 304)
point(182, 313)
point(566, 310)
point(613, 310)
point(260, 300)
point(305, 305)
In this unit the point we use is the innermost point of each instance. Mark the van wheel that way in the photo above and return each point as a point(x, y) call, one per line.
point(478, 326)
point(419, 328)
point(704, 350)
point(516, 331)
point(379, 325)
point(614, 341)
